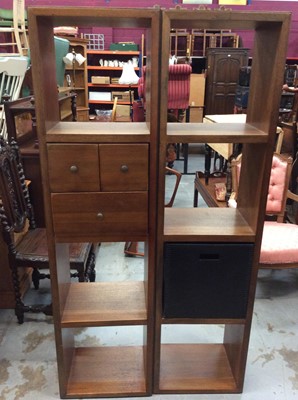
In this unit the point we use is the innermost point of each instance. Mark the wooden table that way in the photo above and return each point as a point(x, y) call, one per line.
point(225, 150)
point(207, 191)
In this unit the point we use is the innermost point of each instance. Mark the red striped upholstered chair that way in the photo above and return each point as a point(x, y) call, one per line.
point(178, 88)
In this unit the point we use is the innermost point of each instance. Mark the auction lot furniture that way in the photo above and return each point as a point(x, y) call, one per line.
point(119, 183)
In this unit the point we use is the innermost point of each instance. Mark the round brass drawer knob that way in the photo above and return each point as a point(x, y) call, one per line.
point(74, 169)
point(99, 215)
point(124, 168)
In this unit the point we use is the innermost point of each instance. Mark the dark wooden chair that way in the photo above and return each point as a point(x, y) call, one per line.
point(30, 250)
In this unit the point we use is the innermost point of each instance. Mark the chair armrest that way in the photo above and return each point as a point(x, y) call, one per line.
point(292, 196)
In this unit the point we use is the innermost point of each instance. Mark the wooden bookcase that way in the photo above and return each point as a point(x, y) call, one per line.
point(99, 186)
point(207, 258)
point(80, 47)
point(108, 184)
point(95, 69)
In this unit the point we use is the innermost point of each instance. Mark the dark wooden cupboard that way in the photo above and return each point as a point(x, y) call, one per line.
point(223, 67)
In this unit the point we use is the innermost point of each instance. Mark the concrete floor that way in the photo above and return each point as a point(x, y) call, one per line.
point(28, 367)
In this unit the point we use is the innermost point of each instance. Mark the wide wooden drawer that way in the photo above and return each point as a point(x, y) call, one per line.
point(123, 167)
point(100, 214)
point(73, 167)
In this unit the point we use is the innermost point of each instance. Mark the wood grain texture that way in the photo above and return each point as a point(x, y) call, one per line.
point(206, 224)
point(105, 303)
point(111, 371)
point(195, 368)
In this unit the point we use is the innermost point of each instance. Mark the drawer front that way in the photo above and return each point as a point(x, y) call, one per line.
point(73, 167)
point(99, 214)
point(123, 167)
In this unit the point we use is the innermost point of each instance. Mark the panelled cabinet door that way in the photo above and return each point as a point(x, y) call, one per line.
point(223, 68)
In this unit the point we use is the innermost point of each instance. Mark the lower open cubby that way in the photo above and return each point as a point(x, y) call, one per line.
point(198, 359)
point(195, 368)
point(108, 361)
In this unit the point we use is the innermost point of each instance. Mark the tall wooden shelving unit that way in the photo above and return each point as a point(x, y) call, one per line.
point(207, 258)
point(99, 186)
point(108, 184)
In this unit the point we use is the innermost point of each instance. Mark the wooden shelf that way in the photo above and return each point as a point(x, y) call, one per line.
point(107, 371)
point(108, 303)
point(69, 69)
point(109, 132)
point(65, 114)
point(205, 225)
point(214, 133)
point(195, 368)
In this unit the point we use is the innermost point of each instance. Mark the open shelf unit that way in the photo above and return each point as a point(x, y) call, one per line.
point(107, 184)
point(204, 255)
point(99, 186)
point(79, 46)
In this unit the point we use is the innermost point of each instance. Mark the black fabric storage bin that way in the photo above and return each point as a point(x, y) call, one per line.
point(206, 280)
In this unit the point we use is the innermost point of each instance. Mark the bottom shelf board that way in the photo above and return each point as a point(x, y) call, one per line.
point(195, 368)
point(107, 371)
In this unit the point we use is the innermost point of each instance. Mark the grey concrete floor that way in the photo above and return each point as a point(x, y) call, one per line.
point(28, 367)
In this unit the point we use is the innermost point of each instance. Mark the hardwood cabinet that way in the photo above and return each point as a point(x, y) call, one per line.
point(223, 69)
point(99, 186)
point(200, 279)
point(105, 66)
point(97, 207)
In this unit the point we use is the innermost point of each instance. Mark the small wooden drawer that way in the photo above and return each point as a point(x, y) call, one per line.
point(123, 167)
point(73, 167)
point(100, 214)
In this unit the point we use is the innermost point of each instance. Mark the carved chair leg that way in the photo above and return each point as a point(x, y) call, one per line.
point(19, 306)
point(196, 192)
point(19, 312)
point(90, 273)
point(81, 275)
point(35, 278)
